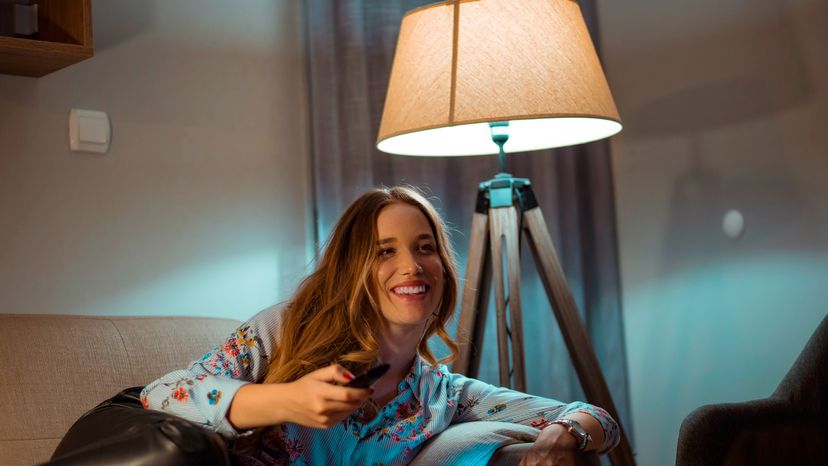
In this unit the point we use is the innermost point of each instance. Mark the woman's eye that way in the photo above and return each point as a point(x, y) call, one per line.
point(427, 248)
point(385, 252)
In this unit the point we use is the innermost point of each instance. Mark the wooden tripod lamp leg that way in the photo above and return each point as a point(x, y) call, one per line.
point(475, 299)
point(504, 239)
point(572, 327)
point(496, 243)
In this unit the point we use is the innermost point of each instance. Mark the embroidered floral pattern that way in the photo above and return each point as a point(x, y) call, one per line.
point(406, 424)
point(234, 358)
point(213, 396)
point(470, 403)
point(611, 432)
point(294, 449)
point(496, 409)
point(452, 395)
point(405, 410)
point(352, 425)
point(180, 390)
point(272, 442)
point(542, 421)
point(180, 394)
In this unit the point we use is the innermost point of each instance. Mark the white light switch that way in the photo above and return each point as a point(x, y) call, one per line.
point(89, 131)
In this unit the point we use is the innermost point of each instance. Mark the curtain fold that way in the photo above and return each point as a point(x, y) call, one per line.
point(349, 49)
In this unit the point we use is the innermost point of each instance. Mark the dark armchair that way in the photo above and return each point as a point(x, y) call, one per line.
point(789, 427)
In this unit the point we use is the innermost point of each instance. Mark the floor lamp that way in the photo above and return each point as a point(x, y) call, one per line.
point(473, 77)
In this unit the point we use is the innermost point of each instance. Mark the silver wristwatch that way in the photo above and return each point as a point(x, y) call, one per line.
point(576, 430)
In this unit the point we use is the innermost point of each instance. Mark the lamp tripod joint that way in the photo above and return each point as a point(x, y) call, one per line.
point(504, 190)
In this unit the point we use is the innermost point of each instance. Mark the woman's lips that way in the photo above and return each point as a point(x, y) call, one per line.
point(411, 291)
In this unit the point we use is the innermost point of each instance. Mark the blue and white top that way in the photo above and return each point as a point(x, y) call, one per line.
point(429, 399)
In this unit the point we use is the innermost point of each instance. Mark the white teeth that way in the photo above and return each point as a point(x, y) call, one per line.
point(410, 289)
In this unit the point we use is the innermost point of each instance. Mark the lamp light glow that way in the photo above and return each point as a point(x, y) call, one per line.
point(524, 135)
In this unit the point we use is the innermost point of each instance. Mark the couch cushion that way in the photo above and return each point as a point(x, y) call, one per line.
point(57, 367)
point(26, 452)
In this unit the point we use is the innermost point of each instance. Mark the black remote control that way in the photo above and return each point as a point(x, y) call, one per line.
point(369, 377)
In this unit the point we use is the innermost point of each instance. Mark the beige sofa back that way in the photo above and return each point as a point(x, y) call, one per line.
point(53, 368)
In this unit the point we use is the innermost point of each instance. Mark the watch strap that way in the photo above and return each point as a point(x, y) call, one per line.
point(575, 430)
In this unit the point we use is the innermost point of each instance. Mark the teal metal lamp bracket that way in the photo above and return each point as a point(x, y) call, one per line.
point(500, 134)
point(504, 190)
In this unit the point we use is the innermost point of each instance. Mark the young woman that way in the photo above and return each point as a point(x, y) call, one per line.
point(386, 283)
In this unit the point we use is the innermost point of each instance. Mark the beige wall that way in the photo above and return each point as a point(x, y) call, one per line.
point(201, 205)
point(725, 106)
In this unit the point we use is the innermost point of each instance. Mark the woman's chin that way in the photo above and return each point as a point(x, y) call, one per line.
point(410, 317)
point(408, 310)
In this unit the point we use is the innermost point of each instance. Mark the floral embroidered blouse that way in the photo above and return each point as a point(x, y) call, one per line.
point(429, 399)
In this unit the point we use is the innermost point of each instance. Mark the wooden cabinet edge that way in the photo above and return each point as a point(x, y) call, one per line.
point(25, 57)
point(36, 58)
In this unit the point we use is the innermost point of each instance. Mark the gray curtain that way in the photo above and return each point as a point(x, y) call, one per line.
point(350, 47)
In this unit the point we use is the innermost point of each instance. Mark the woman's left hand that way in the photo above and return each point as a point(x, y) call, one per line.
point(553, 447)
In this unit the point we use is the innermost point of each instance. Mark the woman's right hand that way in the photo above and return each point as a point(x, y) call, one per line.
point(318, 402)
point(313, 400)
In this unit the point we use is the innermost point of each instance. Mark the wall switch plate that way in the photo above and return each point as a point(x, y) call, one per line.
point(89, 131)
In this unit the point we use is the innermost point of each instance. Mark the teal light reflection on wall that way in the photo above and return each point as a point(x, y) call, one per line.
point(232, 287)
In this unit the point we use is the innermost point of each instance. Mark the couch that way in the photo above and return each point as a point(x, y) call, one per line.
point(55, 368)
point(788, 427)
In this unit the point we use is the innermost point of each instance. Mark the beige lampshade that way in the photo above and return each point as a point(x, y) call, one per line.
point(462, 64)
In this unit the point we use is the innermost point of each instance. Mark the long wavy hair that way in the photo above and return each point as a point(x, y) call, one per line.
point(334, 315)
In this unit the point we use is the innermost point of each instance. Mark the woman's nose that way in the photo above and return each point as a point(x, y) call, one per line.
point(411, 266)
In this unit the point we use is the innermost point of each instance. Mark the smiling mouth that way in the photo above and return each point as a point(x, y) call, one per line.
point(410, 290)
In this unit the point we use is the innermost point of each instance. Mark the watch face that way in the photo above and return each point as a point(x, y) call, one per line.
point(577, 428)
point(580, 434)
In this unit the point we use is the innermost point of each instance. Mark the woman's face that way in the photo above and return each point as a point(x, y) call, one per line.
point(409, 272)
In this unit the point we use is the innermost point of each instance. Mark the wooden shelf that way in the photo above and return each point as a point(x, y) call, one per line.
point(64, 38)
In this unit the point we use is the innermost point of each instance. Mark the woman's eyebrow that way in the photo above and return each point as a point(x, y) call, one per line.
point(421, 237)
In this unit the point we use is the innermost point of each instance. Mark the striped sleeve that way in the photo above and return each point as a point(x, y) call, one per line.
point(480, 401)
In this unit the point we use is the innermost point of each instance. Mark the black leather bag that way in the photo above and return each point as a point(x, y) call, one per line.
point(120, 431)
